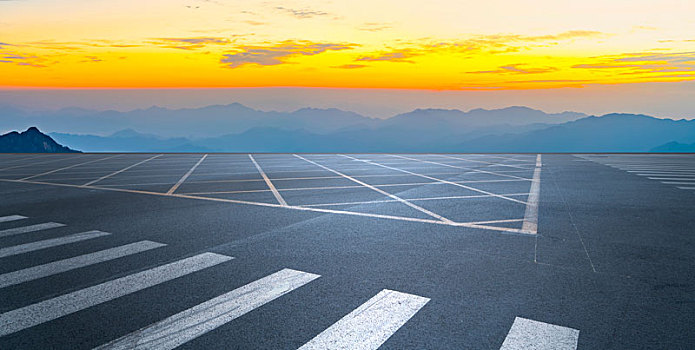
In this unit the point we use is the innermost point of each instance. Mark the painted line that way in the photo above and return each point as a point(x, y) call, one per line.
point(184, 177)
point(45, 162)
point(31, 228)
point(269, 183)
point(371, 324)
point(56, 267)
point(672, 178)
point(530, 224)
point(678, 183)
point(200, 319)
point(66, 304)
point(11, 218)
point(436, 179)
point(392, 196)
point(273, 205)
point(468, 170)
point(687, 188)
point(69, 167)
point(480, 161)
point(530, 334)
point(50, 243)
point(409, 199)
point(120, 171)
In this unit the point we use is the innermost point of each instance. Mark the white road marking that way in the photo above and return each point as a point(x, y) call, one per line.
point(49, 243)
point(69, 167)
point(678, 182)
point(184, 177)
point(528, 334)
point(530, 224)
point(416, 207)
point(687, 188)
point(269, 183)
point(293, 207)
point(468, 170)
point(40, 271)
point(66, 304)
point(410, 199)
point(11, 218)
point(44, 162)
point(371, 324)
point(31, 228)
point(200, 319)
point(672, 178)
point(436, 179)
point(480, 161)
point(120, 171)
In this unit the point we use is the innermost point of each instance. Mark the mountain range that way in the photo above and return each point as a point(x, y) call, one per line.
point(30, 141)
point(236, 128)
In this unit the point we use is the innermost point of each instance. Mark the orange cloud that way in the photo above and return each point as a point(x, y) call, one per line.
point(271, 55)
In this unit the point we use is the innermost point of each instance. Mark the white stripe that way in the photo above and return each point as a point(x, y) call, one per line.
point(31, 228)
point(672, 178)
point(184, 177)
point(530, 224)
point(269, 183)
point(687, 188)
point(200, 319)
point(469, 170)
point(120, 171)
point(49, 243)
point(40, 271)
point(480, 161)
point(436, 179)
point(44, 162)
point(409, 199)
point(11, 218)
point(529, 334)
point(678, 183)
point(392, 196)
point(371, 324)
point(48, 310)
point(69, 167)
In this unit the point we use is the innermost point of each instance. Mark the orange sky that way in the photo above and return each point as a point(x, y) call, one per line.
point(437, 45)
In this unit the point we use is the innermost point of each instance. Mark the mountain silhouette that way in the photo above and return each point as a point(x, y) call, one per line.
point(30, 141)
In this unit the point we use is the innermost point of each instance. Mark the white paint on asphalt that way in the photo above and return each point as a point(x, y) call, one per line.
point(687, 188)
point(185, 176)
point(200, 319)
point(528, 334)
point(122, 170)
point(436, 179)
point(30, 228)
point(411, 200)
point(56, 267)
point(490, 163)
point(371, 324)
point(66, 304)
point(530, 224)
point(269, 183)
point(468, 169)
point(11, 218)
point(49, 243)
point(685, 178)
point(392, 196)
point(69, 167)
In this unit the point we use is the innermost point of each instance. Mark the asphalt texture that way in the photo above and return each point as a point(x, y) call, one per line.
point(605, 250)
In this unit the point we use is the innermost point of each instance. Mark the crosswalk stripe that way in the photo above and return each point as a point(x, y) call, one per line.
point(11, 218)
point(371, 324)
point(48, 243)
point(40, 271)
point(27, 229)
point(687, 188)
point(200, 319)
point(529, 334)
point(47, 310)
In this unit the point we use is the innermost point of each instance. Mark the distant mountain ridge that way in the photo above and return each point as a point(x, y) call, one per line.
point(30, 141)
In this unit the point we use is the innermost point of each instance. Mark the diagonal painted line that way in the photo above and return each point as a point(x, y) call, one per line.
point(272, 205)
point(11, 218)
point(120, 171)
point(44, 162)
point(69, 167)
point(530, 224)
point(269, 183)
point(530, 334)
point(185, 176)
point(416, 207)
point(410, 199)
point(50, 243)
point(480, 161)
point(436, 179)
point(470, 170)
point(28, 229)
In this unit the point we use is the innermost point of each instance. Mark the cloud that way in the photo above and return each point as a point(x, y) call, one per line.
point(302, 14)
point(644, 63)
point(374, 26)
point(271, 55)
point(395, 56)
point(516, 69)
point(190, 43)
point(350, 66)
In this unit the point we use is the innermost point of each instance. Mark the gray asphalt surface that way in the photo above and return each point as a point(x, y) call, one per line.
point(612, 258)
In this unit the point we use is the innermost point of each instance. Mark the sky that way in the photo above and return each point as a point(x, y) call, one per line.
point(434, 53)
